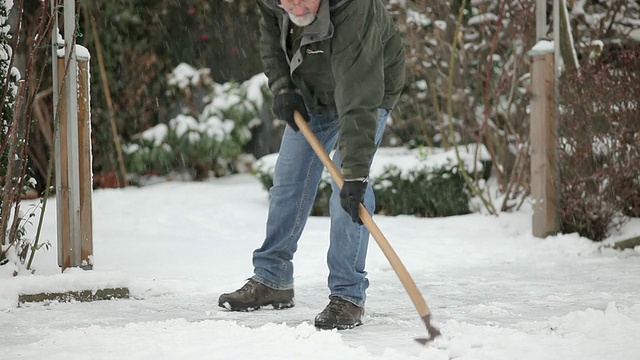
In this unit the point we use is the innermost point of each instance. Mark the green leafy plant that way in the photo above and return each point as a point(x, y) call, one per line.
point(436, 193)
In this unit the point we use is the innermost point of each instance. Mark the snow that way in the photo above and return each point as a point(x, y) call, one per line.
point(415, 17)
point(212, 126)
point(495, 291)
point(157, 134)
point(542, 47)
point(483, 18)
point(442, 25)
point(82, 53)
point(185, 75)
point(578, 8)
point(254, 88)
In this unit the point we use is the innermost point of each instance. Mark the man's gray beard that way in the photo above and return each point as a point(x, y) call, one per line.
point(302, 20)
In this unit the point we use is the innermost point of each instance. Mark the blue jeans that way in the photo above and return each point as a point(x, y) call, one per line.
point(297, 175)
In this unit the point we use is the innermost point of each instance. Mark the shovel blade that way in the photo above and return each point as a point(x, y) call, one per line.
point(432, 331)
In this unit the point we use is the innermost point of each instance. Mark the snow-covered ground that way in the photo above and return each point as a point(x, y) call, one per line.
point(495, 291)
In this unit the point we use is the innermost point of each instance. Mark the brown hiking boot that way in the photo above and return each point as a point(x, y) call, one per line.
point(254, 295)
point(339, 314)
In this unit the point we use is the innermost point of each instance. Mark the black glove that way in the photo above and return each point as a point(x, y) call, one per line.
point(285, 103)
point(351, 196)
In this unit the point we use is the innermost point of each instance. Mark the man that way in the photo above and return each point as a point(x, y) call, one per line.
point(340, 63)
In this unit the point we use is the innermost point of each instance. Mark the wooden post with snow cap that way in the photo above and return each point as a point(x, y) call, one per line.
point(73, 153)
point(75, 242)
point(543, 140)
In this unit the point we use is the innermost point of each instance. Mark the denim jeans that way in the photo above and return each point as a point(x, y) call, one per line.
point(297, 175)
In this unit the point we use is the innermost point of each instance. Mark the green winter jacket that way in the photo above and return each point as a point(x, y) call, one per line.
point(349, 60)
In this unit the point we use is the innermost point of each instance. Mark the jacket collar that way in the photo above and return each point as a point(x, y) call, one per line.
point(333, 4)
point(321, 26)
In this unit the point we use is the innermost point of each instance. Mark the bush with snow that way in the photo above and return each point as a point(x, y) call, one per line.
point(487, 100)
point(422, 182)
point(14, 246)
point(210, 133)
point(7, 103)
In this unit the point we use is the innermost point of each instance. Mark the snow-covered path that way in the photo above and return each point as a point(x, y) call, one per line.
point(494, 290)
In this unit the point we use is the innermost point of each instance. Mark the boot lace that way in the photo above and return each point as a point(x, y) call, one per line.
point(249, 287)
point(337, 306)
point(252, 286)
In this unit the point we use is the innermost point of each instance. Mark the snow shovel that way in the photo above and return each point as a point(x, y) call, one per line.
point(383, 243)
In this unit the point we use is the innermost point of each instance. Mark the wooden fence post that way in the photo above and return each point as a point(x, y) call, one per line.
point(75, 248)
point(543, 138)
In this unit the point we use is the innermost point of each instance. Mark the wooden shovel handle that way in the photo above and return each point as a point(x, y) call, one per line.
point(367, 220)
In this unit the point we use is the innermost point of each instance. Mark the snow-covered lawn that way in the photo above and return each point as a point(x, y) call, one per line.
point(494, 290)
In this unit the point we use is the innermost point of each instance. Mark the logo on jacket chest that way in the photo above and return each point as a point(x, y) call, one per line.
point(314, 52)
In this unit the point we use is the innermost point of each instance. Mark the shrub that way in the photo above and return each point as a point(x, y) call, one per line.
point(16, 100)
point(599, 153)
point(428, 186)
point(437, 193)
point(11, 240)
point(488, 93)
point(8, 86)
point(208, 135)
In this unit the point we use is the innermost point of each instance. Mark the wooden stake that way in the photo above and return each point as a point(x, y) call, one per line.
point(86, 183)
point(63, 190)
point(543, 137)
point(75, 253)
